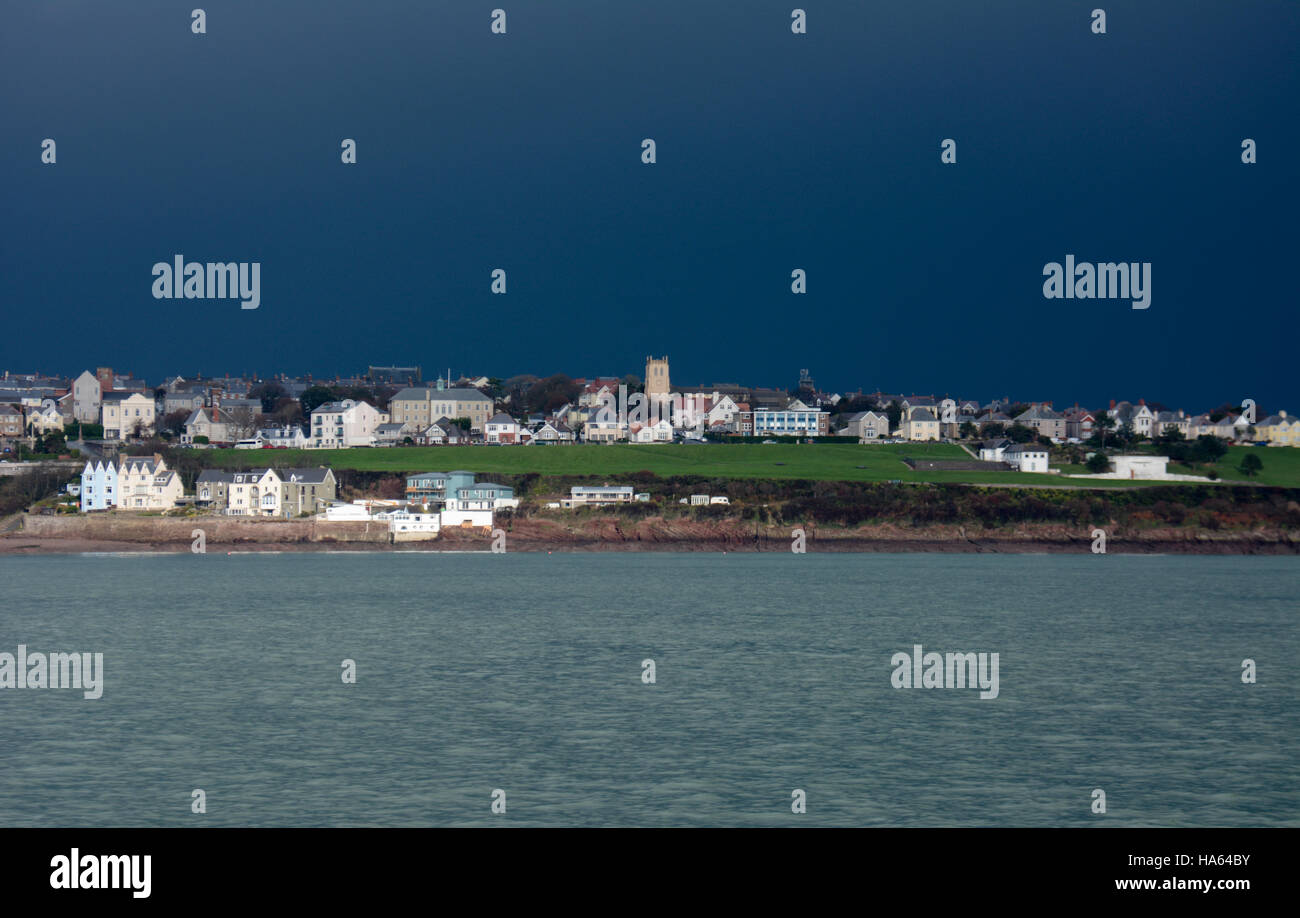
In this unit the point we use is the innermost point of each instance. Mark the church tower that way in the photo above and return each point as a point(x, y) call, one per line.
point(656, 377)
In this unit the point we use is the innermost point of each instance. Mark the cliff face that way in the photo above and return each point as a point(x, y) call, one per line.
point(109, 532)
point(737, 535)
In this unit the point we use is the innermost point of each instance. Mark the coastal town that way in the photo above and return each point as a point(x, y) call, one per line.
point(129, 447)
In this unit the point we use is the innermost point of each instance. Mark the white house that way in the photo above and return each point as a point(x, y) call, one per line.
point(412, 526)
point(501, 428)
point(145, 483)
point(338, 425)
point(992, 450)
point(1026, 457)
point(467, 511)
point(255, 493)
point(123, 414)
point(1139, 416)
point(290, 437)
point(723, 411)
point(659, 432)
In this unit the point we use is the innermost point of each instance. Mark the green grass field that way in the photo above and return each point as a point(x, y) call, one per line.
point(819, 461)
point(1281, 466)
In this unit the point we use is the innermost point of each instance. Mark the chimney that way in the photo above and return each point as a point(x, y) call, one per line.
point(1112, 404)
point(1282, 414)
point(1142, 401)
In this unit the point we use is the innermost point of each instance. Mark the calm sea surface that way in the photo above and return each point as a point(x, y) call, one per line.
point(523, 672)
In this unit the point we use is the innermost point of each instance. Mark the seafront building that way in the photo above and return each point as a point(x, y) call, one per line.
point(132, 483)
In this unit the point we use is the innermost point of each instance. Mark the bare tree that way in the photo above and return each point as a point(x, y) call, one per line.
point(241, 422)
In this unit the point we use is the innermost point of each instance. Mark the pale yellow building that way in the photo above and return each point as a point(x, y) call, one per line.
point(1280, 429)
point(656, 377)
point(126, 414)
point(921, 424)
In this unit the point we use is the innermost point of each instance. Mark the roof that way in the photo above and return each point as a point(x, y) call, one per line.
point(306, 476)
point(1039, 413)
point(1025, 448)
point(145, 463)
point(250, 476)
point(411, 393)
point(428, 393)
point(215, 475)
point(922, 414)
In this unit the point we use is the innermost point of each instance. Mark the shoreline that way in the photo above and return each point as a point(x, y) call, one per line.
point(142, 533)
point(16, 545)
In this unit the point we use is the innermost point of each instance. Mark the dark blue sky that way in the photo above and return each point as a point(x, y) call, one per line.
point(522, 151)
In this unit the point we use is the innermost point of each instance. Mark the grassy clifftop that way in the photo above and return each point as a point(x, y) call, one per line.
point(810, 461)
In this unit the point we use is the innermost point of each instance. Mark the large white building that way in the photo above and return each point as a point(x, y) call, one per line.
point(124, 414)
point(597, 496)
point(338, 425)
point(254, 493)
point(796, 419)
